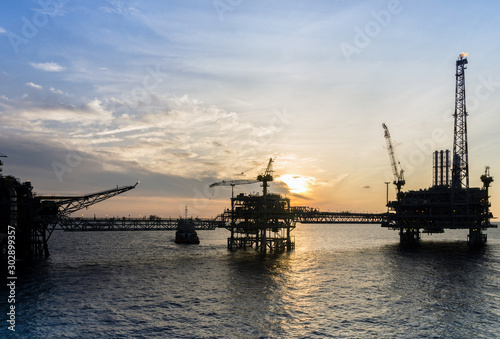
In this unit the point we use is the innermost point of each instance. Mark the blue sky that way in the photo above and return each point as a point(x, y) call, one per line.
point(180, 94)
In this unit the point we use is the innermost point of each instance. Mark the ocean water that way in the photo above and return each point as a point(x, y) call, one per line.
point(341, 281)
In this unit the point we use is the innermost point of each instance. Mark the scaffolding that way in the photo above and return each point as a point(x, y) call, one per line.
point(263, 222)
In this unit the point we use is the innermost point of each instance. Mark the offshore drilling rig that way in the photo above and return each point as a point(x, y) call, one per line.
point(450, 202)
point(261, 221)
point(34, 218)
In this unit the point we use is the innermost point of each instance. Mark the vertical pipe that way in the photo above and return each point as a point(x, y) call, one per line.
point(447, 167)
point(288, 238)
point(263, 241)
point(435, 168)
point(233, 222)
point(441, 168)
point(288, 220)
point(387, 194)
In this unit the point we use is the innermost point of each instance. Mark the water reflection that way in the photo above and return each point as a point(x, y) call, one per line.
point(282, 294)
point(255, 292)
point(439, 285)
point(340, 282)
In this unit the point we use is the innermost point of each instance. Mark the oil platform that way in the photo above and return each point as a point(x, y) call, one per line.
point(450, 203)
point(34, 217)
point(263, 222)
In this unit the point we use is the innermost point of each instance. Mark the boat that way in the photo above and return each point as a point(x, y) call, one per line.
point(186, 234)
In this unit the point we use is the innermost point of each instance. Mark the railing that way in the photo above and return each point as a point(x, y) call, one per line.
point(312, 216)
point(133, 224)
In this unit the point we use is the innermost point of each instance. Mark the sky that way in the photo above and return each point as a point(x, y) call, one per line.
point(181, 94)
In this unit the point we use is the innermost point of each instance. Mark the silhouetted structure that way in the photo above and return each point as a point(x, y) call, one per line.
point(447, 204)
point(260, 221)
point(34, 218)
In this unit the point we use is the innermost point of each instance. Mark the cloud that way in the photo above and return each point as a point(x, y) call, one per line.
point(58, 91)
point(55, 120)
point(33, 85)
point(119, 7)
point(48, 67)
point(2, 30)
point(189, 140)
point(53, 11)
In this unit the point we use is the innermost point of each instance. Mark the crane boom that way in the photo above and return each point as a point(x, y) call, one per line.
point(264, 177)
point(233, 182)
point(69, 204)
point(398, 173)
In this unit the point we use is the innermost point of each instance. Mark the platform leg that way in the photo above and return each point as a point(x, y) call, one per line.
point(409, 235)
point(476, 237)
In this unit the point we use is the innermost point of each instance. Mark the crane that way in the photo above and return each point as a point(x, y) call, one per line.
point(69, 204)
point(48, 211)
point(399, 178)
point(265, 177)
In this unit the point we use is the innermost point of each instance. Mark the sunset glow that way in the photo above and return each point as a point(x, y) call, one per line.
point(298, 183)
point(182, 94)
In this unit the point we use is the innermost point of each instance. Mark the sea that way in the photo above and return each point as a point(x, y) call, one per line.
point(340, 281)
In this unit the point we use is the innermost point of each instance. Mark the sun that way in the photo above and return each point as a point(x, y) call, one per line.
point(298, 183)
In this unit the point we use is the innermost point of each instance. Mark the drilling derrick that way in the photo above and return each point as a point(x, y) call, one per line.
point(460, 171)
point(460, 193)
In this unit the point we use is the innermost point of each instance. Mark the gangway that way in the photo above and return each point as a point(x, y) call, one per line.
point(134, 224)
point(306, 215)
